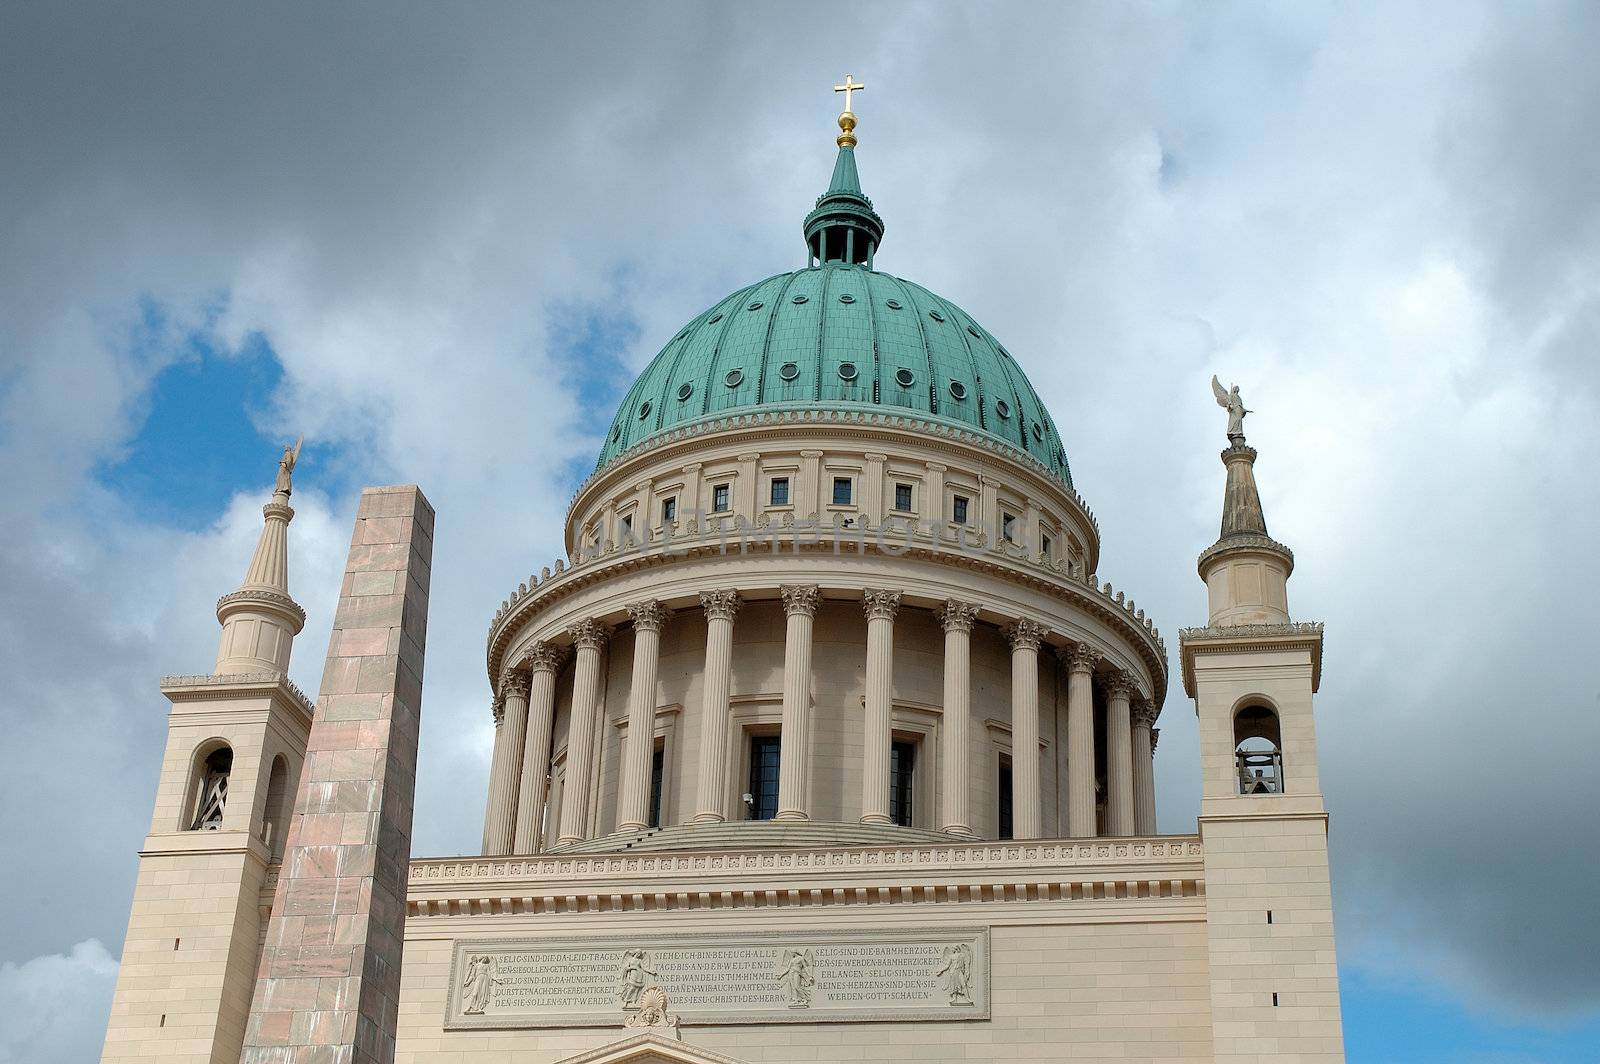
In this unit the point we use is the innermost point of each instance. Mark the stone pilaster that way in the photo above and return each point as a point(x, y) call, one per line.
point(1025, 637)
point(1080, 742)
point(721, 607)
point(505, 776)
point(1120, 690)
point(957, 619)
point(633, 813)
point(1144, 776)
point(794, 769)
point(880, 608)
point(329, 985)
point(543, 662)
point(589, 637)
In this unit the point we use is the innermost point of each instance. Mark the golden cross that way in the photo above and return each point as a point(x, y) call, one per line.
point(847, 88)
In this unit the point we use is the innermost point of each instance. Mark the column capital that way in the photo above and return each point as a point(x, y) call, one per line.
point(1144, 713)
point(880, 605)
point(720, 605)
point(1025, 634)
point(543, 657)
point(692, 467)
point(800, 598)
point(937, 467)
point(810, 454)
point(649, 615)
point(1155, 737)
point(1082, 658)
point(1122, 684)
point(513, 685)
point(589, 634)
point(875, 456)
point(497, 709)
point(958, 616)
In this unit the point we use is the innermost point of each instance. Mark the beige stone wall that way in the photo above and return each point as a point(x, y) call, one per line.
point(836, 739)
point(1097, 954)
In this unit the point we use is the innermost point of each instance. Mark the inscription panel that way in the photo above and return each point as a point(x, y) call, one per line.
point(917, 974)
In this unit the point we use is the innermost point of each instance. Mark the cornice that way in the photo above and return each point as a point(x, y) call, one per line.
point(1162, 867)
point(1224, 638)
point(212, 687)
point(1242, 543)
point(1004, 560)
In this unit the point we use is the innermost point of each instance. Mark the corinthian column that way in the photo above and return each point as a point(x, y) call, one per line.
point(794, 764)
point(588, 637)
point(1119, 755)
point(511, 720)
point(633, 806)
point(957, 618)
point(1080, 742)
point(880, 608)
point(1025, 636)
point(721, 607)
point(1144, 775)
point(543, 661)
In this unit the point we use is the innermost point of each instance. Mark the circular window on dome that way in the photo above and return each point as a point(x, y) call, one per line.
point(975, 333)
point(905, 378)
point(713, 319)
point(644, 410)
point(847, 371)
point(892, 304)
point(798, 299)
point(757, 305)
point(1038, 433)
point(1002, 408)
point(935, 315)
point(684, 391)
point(734, 378)
point(958, 390)
point(846, 297)
point(789, 371)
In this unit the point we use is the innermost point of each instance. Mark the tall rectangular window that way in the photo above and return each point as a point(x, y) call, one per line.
point(1008, 527)
point(669, 510)
point(764, 761)
point(658, 765)
point(902, 763)
point(958, 510)
point(902, 497)
point(1044, 546)
point(1003, 796)
point(780, 491)
point(841, 491)
point(720, 494)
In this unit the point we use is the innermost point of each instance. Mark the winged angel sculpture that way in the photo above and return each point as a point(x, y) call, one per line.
point(1228, 399)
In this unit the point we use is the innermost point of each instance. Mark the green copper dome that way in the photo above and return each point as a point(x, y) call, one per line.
point(838, 336)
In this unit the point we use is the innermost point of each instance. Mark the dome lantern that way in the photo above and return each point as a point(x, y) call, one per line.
point(843, 227)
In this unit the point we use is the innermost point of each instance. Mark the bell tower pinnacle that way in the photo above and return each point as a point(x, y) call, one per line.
point(1252, 672)
point(260, 620)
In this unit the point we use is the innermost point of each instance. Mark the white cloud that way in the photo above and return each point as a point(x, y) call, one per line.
point(53, 1008)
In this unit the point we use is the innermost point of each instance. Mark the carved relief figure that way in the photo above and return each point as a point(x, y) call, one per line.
point(633, 977)
point(653, 1010)
point(477, 989)
point(1229, 400)
point(956, 971)
point(795, 977)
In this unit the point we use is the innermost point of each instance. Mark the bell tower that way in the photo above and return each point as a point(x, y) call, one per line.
point(1252, 672)
point(236, 739)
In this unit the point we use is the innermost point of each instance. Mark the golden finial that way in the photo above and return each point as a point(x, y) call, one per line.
point(847, 118)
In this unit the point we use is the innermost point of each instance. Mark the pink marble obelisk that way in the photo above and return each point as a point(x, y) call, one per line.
point(329, 979)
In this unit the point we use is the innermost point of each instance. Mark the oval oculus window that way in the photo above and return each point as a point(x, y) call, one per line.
point(892, 304)
point(905, 378)
point(789, 371)
point(1002, 408)
point(847, 371)
point(846, 297)
point(644, 410)
point(935, 315)
point(734, 378)
point(684, 391)
point(757, 305)
point(958, 390)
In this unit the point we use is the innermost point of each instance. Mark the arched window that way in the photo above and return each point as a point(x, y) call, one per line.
point(211, 796)
point(275, 817)
point(1258, 750)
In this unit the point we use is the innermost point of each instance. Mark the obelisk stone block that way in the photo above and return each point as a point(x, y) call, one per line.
point(329, 982)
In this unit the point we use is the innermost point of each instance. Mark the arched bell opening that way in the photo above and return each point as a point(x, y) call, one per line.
point(213, 763)
point(1258, 750)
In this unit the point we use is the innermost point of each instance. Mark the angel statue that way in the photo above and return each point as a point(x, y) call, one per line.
point(291, 455)
point(477, 989)
point(795, 977)
point(957, 973)
point(1228, 399)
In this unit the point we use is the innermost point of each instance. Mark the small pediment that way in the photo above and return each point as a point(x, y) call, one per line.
point(649, 1049)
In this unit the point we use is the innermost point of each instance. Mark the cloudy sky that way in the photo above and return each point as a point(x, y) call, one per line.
point(440, 242)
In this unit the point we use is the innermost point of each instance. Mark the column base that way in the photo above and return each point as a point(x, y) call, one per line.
point(876, 818)
point(708, 818)
point(631, 826)
point(959, 829)
point(792, 814)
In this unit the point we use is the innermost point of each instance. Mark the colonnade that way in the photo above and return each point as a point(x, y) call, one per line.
point(525, 709)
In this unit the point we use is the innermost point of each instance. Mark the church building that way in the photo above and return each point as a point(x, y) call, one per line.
point(828, 740)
